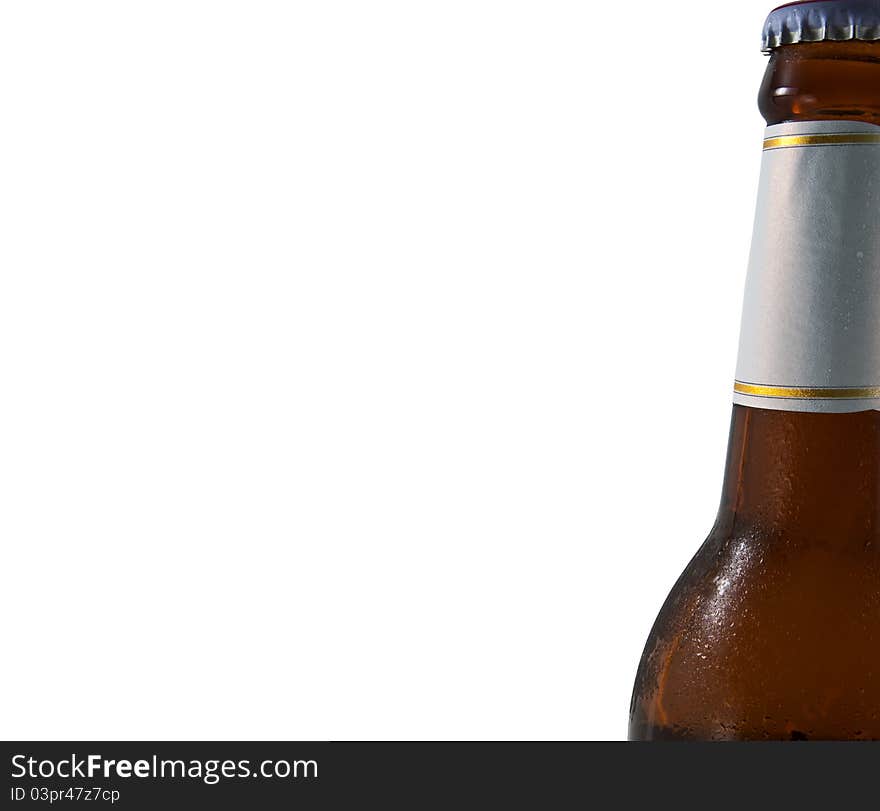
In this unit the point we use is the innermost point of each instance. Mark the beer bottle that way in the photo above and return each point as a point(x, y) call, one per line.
point(773, 630)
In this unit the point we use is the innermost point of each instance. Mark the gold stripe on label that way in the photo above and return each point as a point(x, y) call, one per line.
point(784, 141)
point(797, 393)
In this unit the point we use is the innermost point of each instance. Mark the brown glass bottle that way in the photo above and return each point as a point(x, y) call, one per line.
point(773, 630)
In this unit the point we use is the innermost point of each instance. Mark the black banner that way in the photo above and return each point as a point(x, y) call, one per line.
point(254, 775)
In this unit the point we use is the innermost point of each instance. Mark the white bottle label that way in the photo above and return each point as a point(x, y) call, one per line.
point(810, 337)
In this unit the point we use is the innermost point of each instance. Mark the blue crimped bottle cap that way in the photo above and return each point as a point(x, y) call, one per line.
point(819, 20)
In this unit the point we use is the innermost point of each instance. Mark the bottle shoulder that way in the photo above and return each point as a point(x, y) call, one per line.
point(763, 628)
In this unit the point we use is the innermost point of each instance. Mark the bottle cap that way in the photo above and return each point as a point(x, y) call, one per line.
point(818, 20)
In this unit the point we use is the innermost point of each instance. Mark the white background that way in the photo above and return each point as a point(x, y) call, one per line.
point(365, 367)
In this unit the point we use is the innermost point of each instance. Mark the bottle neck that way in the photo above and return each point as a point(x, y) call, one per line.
point(822, 81)
point(805, 476)
point(804, 454)
point(810, 336)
